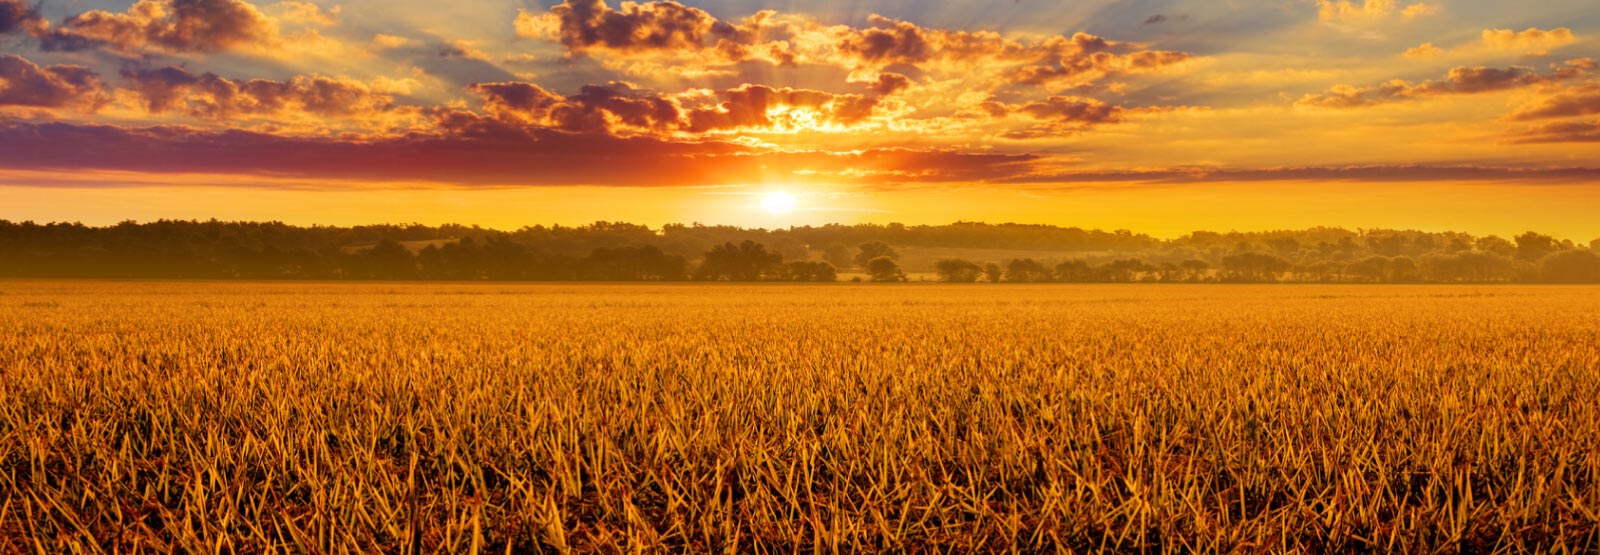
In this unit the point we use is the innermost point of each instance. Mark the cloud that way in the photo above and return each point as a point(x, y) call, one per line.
point(1530, 41)
point(476, 151)
point(1346, 11)
point(306, 13)
point(582, 25)
point(1155, 19)
point(210, 97)
point(1363, 173)
point(1561, 132)
point(171, 26)
point(391, 41)
point(668, 37)
point(620, 109)
point(1461, 80)
point(1575, 101)
point(1424, 51)
point(1087, 59)
point(16, 16)
point(25, 84)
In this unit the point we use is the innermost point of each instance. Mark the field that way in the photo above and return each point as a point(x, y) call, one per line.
point(158, 417)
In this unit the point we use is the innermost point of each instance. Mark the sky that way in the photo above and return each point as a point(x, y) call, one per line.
point(1158, 116)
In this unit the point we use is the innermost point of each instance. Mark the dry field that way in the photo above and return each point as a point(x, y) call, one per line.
point(457, 418)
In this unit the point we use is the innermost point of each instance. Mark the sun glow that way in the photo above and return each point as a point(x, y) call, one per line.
point(778, 202)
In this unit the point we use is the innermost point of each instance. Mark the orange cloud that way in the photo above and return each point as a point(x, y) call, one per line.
point(1369, 10)
point(306, 13)
point(1576, 101)
point(25, 84)
point(1424, 50)
point(1531, 41)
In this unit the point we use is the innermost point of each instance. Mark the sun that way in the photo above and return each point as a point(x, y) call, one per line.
point(778, 202)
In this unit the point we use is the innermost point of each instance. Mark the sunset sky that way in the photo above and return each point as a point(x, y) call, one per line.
point(1160, 116)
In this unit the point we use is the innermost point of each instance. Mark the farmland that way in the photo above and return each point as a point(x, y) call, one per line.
point(839, 418)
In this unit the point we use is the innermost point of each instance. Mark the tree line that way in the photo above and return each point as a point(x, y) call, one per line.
point(609, 251)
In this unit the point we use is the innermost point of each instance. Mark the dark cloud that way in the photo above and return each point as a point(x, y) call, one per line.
point(1088, 58)
point(1154, 19)
point(751, 106)
point(473, 151)
point(1561, 132)
point(638, 27)
point(208, 96)
point(1576, 101)
point(1461, 80)
point(668, 28)
point(175, 26)
point(1371, 173)
point(1073, 110)
point(23, 83)
point(889, 83)
point(620, 109)
point(16, 16)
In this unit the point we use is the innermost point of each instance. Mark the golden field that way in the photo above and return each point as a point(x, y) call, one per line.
point(207, 417)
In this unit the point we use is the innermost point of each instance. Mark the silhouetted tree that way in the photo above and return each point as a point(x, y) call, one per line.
point(838, 255)
point(1026, 270)
point(1124, 271)
point(646, 263)
point(388, 260)
point(874, 249)
point(1252, 267)
point(812, 271)
point(992, 272)
point(1496, 245)
point(1533, 246)
point(956, 270)
point(747, 261)
point(1570, 266)
point(1075, 271)
point(1194, 270)
point(884, 268)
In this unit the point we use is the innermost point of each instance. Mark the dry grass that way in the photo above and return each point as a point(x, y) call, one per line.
point(249, 418)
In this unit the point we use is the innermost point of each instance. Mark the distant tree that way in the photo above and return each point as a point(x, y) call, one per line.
point(884, 268)
point(1252, 267)
point(1372, 269)
point(1026, 270)
point(1570, 266)
point(1496, 245)
point(992, 272)
point(747, 261)
point(790, 248)
point(1284, 245)
point(1125, 270)
point(874, 249)
point(1468, 267)
point(1194, 270)
point(1533, 246)
point(1595, 245)
point(812, 271)
point(838, 255)
point(645, 263)
point(1075, 271)
point(956, 270)
point(390, 260)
